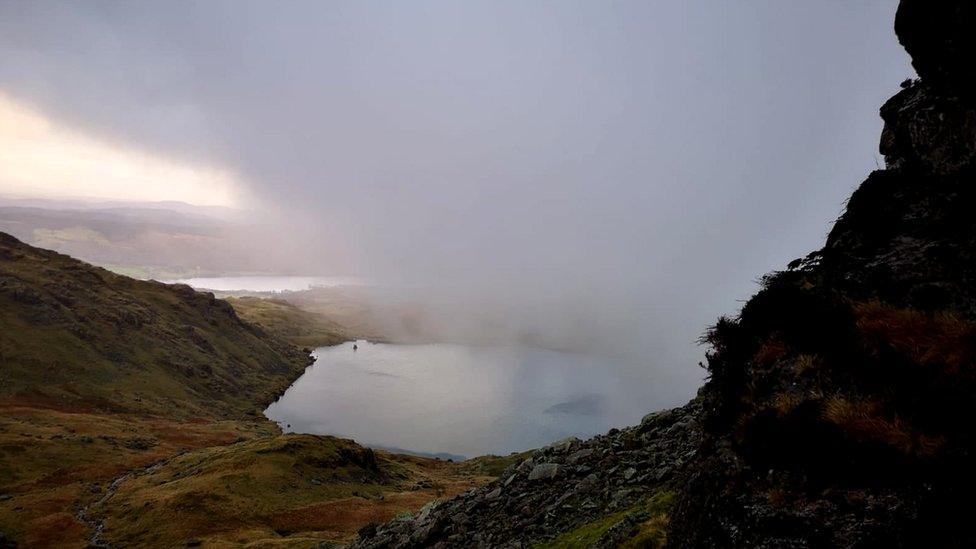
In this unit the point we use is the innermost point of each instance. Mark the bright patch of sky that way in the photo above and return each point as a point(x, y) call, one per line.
point(41, 158)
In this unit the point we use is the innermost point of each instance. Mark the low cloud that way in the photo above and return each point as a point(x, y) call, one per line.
point(618, 173)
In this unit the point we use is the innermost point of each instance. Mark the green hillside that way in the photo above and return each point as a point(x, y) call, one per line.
point(288, 322)
point(78, 335)
point(130, 414)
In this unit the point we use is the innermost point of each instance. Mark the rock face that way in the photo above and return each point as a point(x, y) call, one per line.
point(838, 408)
point(559, 488)
point(938, 34)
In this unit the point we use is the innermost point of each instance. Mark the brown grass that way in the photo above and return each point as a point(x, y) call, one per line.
point(287, 489)
point(864, 421)
point(785, 403)
point(944, 339)
point(52, 462)
point(55, 530)
point(806, 363)
point(771, 351)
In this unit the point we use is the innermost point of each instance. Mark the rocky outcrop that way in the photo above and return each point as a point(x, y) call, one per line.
point(557, 489)
point(928, 129)
point(907, 236)
point(837, 410)
point(938, 34)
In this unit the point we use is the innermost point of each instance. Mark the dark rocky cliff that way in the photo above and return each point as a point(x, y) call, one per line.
point(839, 406)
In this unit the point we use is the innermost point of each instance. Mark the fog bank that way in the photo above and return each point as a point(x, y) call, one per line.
point(617, 173)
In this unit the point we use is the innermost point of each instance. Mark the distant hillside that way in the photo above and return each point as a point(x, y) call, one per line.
point(159, 241)
point(288, 322)
point(79, 335)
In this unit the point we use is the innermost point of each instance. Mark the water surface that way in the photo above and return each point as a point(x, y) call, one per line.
point(461, 400)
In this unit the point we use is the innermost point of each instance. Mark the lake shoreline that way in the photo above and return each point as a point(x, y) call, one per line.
point(449, 400)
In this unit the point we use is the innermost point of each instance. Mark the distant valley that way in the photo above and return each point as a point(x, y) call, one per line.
point(158, 240)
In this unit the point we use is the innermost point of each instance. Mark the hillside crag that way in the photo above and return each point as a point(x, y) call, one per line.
point(838, 410)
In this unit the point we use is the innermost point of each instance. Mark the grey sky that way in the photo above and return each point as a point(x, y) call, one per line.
point(643, 162)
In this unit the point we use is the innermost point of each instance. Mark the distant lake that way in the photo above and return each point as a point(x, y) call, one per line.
point(266, 283)
point(460, 400)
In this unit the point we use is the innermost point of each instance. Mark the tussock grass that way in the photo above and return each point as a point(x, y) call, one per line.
point(909, 380)
point(771, 351)
point(943, 339)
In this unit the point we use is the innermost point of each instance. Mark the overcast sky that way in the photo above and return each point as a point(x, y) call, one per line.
point(658, 154)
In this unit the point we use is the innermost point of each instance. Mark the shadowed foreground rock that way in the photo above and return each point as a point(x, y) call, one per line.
point(838, 410)
point(558, 489)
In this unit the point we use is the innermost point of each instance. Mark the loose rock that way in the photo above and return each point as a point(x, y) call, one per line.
point(568, 484)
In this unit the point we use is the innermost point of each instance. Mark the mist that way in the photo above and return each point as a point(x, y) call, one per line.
point(603, 176)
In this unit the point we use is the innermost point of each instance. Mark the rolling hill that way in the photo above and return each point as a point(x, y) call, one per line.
point(78, 335)
point(130, 414)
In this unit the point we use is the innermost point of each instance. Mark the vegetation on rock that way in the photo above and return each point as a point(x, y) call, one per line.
point(837, 409)
point(603, 492)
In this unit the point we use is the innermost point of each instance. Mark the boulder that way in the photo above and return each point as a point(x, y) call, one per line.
point(544, 471)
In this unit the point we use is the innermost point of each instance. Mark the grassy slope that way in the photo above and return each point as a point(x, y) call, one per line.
point(81, 336)
point(650, 532)
point(53, 462)
point(103, 376)
point(352, 308)
point(284, 320)
point(292, 489)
